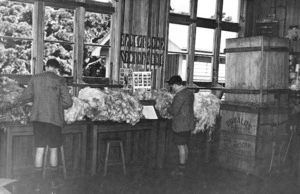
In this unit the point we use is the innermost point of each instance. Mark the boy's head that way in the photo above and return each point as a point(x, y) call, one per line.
point(176, 79)
point(53, 63)
point(175, 82)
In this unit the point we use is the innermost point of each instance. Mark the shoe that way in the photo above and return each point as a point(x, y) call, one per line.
point(177, 172)
point(37, 188)
point(54, 187)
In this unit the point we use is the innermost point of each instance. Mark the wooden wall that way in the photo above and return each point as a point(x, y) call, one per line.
point(287, 11)
point(147, 19)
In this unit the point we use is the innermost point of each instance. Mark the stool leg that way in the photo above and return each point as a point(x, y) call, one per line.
point(123, 158)
point(45, 161)
point(106, 159)
point(63, 161)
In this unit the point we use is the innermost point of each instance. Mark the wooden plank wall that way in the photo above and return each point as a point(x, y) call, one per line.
point(262, 7)
point(147, 18)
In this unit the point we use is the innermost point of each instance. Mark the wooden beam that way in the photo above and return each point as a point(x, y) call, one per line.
point(231, 27)
point(38, 38)
point(91, 6)
point(116, 30)
point(191, 43)
point(166, 35)
point(242, 21)
point(79, 45)
point(203, 22)
point(217, 42)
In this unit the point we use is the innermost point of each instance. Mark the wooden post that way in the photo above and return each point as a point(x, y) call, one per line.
point(38, 37)
point(166, 35)
point(79, 46)
point(244, 32)
point(217, 43)
point(191, 43)
point(116, 27)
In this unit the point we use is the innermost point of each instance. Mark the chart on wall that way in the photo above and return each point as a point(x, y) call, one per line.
point(142, 80)
point(141, 52)
point(126, 75)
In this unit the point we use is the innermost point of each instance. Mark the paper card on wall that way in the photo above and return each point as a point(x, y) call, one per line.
point(158, 46)
point(127, 40)
point(123, 56)
point(149, 43)
point(123, 39)
point(141, 41)
point(162, 59)
point(149, 112)
point(126, 78)
point(145, 42)
point(131, 57)
point(157, 59)
point(139, 58)
point(136, 41)
point(132, 40)
point(126, 56)
point(144, 56)
point(162, 43)
point(153, 59)
point(154, 43)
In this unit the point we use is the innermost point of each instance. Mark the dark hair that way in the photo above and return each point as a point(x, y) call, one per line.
point(176, 79)
point(53, 63)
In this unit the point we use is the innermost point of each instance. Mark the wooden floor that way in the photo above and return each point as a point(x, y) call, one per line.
point(200, 177)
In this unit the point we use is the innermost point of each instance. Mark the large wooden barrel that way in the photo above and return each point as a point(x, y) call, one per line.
point(257, 63)
point(252, 139)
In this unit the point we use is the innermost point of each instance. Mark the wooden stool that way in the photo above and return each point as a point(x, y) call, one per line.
point(108, 143)
point(62, 160)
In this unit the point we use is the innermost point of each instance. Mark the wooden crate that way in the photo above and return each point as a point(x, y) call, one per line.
point(249, 135)
point(257, 63)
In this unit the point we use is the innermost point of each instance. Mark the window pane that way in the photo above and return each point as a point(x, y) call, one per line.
point(15, 56)
point(178, 38)
point(59, 31)
point(204, 39)
point(202, 71)
point(96, 61)
point(15, 37)
point(97, 28)
point(97, 32)
point(206, 9)
point(59, 24)
point(225, 35)
point(180, 7)
point(231, 10)
point(62, 52)
point(15, 19)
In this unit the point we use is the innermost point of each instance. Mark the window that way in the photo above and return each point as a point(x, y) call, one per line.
point(230, 10)
point(206, 9)
point(16, 34)
point(59, 31)
point(176, 6)
point(225, 35)
point(178, 36)
point(204, 39)
point(97, 44)
point(15, 37)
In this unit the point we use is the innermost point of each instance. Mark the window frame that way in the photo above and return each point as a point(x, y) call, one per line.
point(38, 30)
point(217, 24)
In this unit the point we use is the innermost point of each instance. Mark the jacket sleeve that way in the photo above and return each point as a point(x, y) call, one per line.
point(176, 105)
point(65, 96)
point(27, 95)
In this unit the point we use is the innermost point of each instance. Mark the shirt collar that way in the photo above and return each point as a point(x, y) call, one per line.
point(183, 87)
